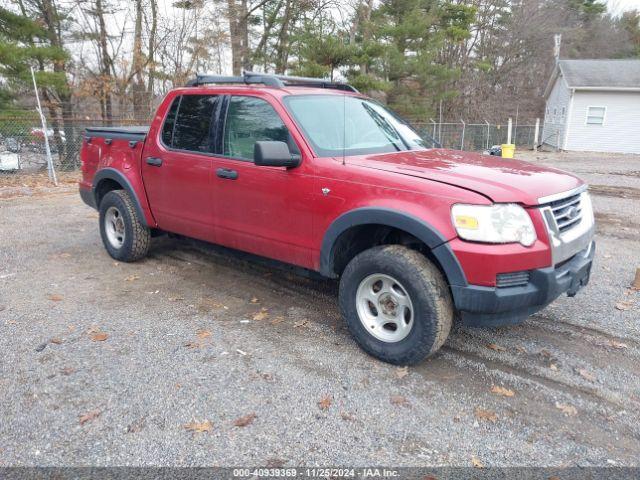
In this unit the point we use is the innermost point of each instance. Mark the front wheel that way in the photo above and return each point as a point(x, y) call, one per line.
point(123, 234)
point(396, 303)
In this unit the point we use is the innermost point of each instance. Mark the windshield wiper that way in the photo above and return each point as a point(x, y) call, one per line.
point(386, 127)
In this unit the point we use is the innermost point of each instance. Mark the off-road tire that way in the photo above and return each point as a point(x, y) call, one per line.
point(137, 238)
point(429, 293)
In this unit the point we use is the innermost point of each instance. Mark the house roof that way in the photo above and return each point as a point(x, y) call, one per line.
point(598, 74)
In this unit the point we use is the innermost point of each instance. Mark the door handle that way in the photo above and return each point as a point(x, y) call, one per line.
point(154, 161)
point(227, 173)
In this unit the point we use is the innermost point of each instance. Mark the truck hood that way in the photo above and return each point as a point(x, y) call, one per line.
point(501, 180)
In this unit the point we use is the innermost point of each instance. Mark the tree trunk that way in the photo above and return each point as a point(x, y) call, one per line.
point(151, 55)
point(282, 46)
point(105, 65)
point(137, 63)
point(68, 149)
point(236, 37)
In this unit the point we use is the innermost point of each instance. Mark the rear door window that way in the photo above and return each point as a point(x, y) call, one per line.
point(249, 120)
point(169, 122)
point(194, 124)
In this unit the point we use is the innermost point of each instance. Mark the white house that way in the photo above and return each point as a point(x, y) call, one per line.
point(593, 105)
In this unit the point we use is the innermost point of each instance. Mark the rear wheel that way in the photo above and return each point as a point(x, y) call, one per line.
point(396, 303)
point(123, 234)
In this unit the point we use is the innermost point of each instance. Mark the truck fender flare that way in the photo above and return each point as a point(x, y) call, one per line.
point(417, 227)
point(116, 176)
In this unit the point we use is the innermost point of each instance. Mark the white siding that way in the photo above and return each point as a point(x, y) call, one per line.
point(556, 112)
point(621, 130)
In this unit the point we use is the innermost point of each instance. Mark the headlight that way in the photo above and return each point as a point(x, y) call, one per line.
point(499, 223)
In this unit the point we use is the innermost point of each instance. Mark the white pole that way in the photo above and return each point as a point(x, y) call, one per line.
point(536, 135)
point(464, 125)
point(440, 136)
point(434, 133)
point(509, 127)
point(488, 133)
point(50, 169)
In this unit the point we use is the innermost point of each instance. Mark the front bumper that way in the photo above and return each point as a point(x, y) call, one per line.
point(489, 306)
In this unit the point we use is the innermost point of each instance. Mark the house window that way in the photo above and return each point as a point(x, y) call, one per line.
point(595, 115)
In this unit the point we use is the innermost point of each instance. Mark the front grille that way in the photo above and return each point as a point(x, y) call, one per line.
point(567, 212)
point(513, 279)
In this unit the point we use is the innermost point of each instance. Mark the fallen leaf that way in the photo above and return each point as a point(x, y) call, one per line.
point(300, 324)
point(476, 462)
point(568, 410)
point(136, 426)
point(624, 305)
point(193, 344)
point(98, 336)
point(636, 282)
point(402, 372)
point(244, 421)
point(175, 299)
point(254, 300)
point(199, 427)
point(208, 304)
point(131, 278)
point(399, 400)
point(505, 392)
point(202, 333)
point(587, 375)
point(618, 345)
point(277, 320)
point(488, 415)
point(261, 315)
point(56, 340)
point(325, 403)
point(67, 371)
point(553, 367)
point(497, 348)
point(347, 417)
point(55, 297)
point(89, 416)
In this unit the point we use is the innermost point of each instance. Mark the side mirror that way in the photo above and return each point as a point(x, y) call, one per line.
point(274, 154)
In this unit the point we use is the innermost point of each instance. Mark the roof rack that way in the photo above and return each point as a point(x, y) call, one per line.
point(277, 81)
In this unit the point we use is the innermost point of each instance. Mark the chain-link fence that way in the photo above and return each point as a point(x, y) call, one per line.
point(22, 145)
point(22, 141)
point(476, 137)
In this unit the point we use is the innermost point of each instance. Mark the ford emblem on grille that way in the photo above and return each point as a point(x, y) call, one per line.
point(573, 212)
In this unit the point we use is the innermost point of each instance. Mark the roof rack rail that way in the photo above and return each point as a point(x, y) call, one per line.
point(278, 81)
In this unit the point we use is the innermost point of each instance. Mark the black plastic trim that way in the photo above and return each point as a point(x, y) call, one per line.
point(116, 176)
point(488, 306)
point(88, 197)
point(392, 218)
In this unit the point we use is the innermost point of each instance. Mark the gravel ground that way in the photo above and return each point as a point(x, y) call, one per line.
point(192, 357)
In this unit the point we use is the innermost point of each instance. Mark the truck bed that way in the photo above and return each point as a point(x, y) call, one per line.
point(134, 132)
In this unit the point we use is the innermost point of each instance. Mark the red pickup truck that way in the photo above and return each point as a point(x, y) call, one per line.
point(314, 174)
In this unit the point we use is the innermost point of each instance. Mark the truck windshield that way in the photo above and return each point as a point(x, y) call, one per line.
point(337, 125)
